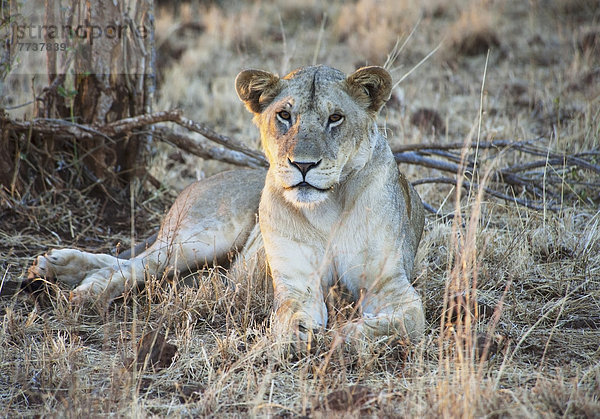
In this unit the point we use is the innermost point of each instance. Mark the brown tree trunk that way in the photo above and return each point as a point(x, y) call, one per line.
point(105, 73)
point(113, 80)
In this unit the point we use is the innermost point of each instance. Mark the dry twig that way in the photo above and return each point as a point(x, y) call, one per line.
point(207, 151)
point(129, 124)
point(546, 185)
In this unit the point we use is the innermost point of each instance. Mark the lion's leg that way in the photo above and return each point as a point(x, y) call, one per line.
point(298, 309)
point(299, 285)
point(251, 261)
point(394, 309)
point(208, 220)
point(191, 245)
point(167, 254)
point(390, 307)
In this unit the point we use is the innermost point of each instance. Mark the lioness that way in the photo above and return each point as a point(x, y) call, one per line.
point(332, 206)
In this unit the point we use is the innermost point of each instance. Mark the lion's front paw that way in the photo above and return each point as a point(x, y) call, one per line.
point(298, 342)
point(102, 285)
point(408, 323)
point(299, 331)
point(85, 294)
point(63, 265)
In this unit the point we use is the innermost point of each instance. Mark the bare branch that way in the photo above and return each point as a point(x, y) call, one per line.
point(468, 185)
point(524, 146)
point(206, 151)
point(415, 158)
point(55, 127)
point(546, 186)
point(128, 124)
point(498, 144)
point(218, 138)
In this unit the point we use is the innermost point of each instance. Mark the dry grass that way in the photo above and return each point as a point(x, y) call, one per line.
point(512, 295)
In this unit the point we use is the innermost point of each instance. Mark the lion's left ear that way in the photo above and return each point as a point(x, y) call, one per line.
point(257, 88)
point(370, 86)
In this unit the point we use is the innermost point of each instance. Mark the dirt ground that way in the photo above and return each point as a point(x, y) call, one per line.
point(529, 279)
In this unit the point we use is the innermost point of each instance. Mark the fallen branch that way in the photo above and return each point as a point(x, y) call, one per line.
point(257, 159)
point(472, 185)
point(420, 160)
point(548, 184)
point(50, 126)
point(219, 139)
point(206, 151)
point(497, 144)
point(128, 125)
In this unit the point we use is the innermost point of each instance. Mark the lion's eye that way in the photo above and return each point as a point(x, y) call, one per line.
point(335, 118)
point(285, 115)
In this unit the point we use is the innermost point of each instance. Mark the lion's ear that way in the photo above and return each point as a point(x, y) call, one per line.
point(370, 86)
point(257, 88)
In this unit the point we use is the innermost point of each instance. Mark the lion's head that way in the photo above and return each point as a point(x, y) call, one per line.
point(316, 124)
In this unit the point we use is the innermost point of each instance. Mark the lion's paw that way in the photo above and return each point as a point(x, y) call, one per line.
point(298, 332)
point(410, 323)
point(63, 265)
point(102, 285)
point(85, 294)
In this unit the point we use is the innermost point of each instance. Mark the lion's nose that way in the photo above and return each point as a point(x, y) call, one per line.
point(304, 167)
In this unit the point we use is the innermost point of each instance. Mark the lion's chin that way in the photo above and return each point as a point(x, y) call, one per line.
point(305, 196)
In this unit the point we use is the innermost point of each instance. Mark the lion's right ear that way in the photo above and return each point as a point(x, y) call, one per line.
point(257, 88)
